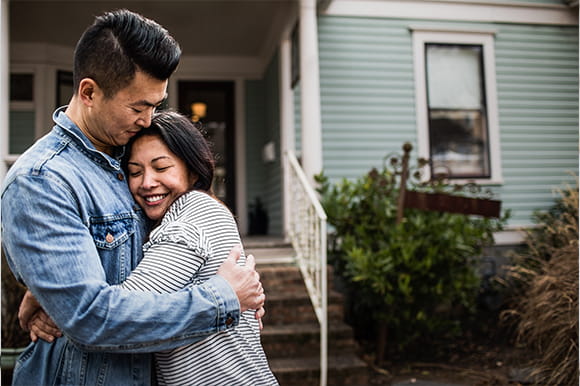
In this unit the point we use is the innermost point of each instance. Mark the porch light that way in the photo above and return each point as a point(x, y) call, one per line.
point(198, 111)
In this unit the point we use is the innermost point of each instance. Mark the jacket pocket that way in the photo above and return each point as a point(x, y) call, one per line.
point(113, 238)
point(111, 231)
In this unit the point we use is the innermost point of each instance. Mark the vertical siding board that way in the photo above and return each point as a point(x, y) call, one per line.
point(264, 180)
point(367, 97)
point(255, 136)
point(273, 178)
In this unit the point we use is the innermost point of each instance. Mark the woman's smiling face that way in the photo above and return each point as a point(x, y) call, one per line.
point(157, 177)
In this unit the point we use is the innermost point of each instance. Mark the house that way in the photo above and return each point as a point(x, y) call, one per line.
point(487, 89)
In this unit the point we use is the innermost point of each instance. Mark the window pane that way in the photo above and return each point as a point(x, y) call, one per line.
point(21, 131)
point(453, 74)
point(64, 87)
point(21, 87)
point(459, 143)
point(458, 131)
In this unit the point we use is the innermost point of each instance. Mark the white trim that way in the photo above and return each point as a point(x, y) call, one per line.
point(310, 91)
point(4, 88)
point(465, 10)
point(41, 53)
point(241, 178)
point(451, 29)
point(509, 237)
point(287, 136)
point(221, 67)
point(420, 37)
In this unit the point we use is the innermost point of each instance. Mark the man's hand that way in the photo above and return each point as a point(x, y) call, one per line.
point(33, 319)
point(245, 281)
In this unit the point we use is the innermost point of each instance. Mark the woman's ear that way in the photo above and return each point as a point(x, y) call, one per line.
point(193, 177)
point(87, 89)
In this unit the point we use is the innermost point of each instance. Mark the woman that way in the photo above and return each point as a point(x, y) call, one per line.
point(170, 171)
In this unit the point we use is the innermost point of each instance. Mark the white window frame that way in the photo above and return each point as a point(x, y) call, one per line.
point(485, 38)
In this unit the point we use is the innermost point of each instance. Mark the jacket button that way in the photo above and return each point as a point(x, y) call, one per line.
point(229, 321)
point(120, 176)
point(109, 238)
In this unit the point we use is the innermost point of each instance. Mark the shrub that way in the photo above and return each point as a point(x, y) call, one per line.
point(417, 277)
point(544, 308)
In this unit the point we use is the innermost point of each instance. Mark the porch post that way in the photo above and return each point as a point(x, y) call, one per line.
point(310, 90)
point(4, 87)
point(287, 136)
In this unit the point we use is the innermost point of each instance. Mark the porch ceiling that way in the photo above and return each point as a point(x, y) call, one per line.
point(202, 27)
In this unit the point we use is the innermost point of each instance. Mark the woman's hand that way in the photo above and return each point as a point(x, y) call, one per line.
point(259, 314)
point(33, 319)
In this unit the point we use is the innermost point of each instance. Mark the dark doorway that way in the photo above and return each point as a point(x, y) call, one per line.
point(212, 104)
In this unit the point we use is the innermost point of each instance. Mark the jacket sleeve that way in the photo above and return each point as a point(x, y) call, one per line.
point(51, 250)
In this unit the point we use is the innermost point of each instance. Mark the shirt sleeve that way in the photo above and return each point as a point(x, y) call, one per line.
point(171, 259)
point(52, 251)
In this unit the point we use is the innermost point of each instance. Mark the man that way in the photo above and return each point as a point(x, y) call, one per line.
point(71, 228)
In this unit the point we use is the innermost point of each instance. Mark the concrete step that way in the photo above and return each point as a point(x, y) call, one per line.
point(282, 277)
point(291, 335)
point(269, 250)
point(294, 306)
point(342, 370)
point(303, 340)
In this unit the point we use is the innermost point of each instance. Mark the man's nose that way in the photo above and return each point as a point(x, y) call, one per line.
point(145, 118)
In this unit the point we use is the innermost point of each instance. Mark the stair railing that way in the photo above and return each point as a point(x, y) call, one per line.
point(307, 232)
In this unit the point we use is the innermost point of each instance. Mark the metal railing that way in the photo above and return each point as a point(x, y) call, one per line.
point(307, 232)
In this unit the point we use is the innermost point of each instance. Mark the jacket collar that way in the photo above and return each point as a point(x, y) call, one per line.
point(66, 127)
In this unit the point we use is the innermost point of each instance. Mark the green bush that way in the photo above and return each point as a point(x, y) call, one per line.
point(417, 277)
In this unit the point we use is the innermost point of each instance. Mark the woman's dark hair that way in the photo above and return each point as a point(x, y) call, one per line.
point(184, 140)
point(118, 44)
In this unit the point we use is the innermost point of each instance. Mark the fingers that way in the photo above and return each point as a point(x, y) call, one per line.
point(260, 313)
point(251, 262)
point(28, 307)
point(235, 253)
point(260, 301)
point(41, 326)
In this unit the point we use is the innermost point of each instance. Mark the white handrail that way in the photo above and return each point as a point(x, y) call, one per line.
point(307, 232)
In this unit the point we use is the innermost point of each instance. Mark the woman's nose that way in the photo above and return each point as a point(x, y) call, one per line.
point(149, 180)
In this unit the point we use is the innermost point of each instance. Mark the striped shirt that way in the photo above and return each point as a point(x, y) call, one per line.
point(193, 239)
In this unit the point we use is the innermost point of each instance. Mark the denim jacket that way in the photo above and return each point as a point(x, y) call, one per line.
point(70, 230)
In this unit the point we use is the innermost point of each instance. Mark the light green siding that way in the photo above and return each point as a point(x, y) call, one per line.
point(368, 105)
point(366, 82)
point(262, 127)
point(537, 83)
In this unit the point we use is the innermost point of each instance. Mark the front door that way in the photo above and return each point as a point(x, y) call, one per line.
point(212, 104)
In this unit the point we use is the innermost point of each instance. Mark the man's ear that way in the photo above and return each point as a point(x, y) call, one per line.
point(87, 89)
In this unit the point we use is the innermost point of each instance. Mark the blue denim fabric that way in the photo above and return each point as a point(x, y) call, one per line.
point(70, 230)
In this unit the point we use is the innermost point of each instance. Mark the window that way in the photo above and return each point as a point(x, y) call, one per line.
point(22, 115)
point(456, 104)
point(64, 87)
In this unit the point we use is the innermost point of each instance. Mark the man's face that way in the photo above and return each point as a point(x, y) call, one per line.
point(113, 121)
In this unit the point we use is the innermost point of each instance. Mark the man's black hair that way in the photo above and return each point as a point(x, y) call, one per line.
point(118, 44)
